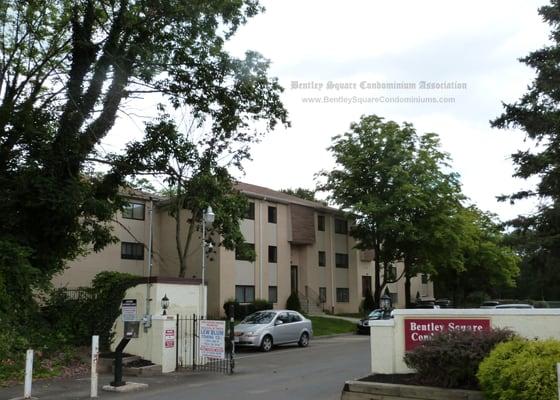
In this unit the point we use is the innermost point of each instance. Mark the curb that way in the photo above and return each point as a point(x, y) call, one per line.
point(334, 335)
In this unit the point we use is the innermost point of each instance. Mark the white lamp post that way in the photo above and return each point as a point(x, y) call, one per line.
point(207, 218)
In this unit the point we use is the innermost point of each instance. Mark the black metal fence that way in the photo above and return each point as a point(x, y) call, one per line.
point(189, 355)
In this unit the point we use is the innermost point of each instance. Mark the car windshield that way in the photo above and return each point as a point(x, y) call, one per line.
point(375, 314)
point(259, 318)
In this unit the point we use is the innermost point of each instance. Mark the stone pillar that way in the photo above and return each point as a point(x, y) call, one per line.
point(382, 342)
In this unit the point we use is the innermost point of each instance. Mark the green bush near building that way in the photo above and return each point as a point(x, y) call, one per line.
point(521, 370)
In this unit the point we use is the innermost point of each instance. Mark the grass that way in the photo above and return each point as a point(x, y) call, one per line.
point(353, 315)
point(330, 326)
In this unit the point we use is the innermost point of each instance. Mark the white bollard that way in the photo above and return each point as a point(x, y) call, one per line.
point(94, 358)
point(558, 375)
point(28, 374)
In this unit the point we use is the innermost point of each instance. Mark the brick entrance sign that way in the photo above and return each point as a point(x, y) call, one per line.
point(416, 330)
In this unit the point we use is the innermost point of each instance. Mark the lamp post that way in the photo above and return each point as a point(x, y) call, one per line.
point(207, 218)
point(385, 303)
point(165, 304)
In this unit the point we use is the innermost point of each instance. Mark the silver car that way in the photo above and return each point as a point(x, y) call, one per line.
point(268, 328)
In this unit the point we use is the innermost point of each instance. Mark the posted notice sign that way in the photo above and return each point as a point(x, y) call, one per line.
point(128, 309)
point(416, 330)
point(212, 339)
point(169, 338)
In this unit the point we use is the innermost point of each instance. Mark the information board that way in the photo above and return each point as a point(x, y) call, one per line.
point(129, 309)
point(417, 330)
point(212, 339)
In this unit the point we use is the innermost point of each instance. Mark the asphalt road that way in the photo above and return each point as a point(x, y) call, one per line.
point(288, 372)
point(316, 372)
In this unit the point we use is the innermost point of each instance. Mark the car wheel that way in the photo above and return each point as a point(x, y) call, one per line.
point(266, 344)
point(304, 340)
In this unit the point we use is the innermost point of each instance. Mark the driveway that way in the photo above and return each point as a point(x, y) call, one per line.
point(289, 372)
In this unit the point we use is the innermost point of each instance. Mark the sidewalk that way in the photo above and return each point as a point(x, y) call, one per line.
point(79, 388)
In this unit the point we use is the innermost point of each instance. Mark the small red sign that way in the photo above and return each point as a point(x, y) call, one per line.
point(170, 344)
point(417, 330)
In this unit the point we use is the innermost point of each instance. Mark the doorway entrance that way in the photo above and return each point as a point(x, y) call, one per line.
point(294, 278)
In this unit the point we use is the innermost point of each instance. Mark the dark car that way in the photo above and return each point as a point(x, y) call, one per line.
point(363, 325)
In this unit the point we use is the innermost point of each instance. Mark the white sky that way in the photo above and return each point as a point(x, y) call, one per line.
point(475, 42)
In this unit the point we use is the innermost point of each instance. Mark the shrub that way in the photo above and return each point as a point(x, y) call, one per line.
point(92, 311)
point(293, 302)
point(241, 310)
point(521, 370)
point(451, 359)
point(261, 304)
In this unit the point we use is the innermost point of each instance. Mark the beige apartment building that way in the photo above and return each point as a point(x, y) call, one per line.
point(300, 245)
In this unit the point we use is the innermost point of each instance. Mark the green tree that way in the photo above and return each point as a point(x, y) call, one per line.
point(488, 265)
point(66, 69)
point(391, 182)
point(536, 113)
point(302, 193)
point(195, 171)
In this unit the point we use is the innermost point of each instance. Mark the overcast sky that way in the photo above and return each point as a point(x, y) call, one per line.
point(473, 46)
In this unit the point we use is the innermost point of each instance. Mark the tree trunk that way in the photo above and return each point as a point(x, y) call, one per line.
point(407, 298)
point(377, 278)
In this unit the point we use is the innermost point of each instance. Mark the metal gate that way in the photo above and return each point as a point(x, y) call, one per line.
point(188, 352)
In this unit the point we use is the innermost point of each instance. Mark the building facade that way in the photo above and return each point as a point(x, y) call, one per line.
point(301, 246)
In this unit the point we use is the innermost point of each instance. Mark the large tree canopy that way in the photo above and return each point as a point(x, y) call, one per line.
point(392, 181)
point(66, 69)
point(486, 266)
point(195, 169)
point(537, 113)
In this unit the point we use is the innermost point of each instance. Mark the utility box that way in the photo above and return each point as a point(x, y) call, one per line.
point(131, 329)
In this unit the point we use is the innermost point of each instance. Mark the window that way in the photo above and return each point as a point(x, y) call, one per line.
point(366, 285)
point(284, 318)
point(272, 254)
point(244, 294)
point(133, 211)
point(273, 294)
point(394, 298)
point(323, 294)
point(342, 295)
point(132, 251)
point(321, 223)
point(272, 214)
point(340, 226)
point(341, 260)
point(294, 317)
point(391, 272)
point(250, 212)
point(322, 259)
point(245, 252)
point(425, 278)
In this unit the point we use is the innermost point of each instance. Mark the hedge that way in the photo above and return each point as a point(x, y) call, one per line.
point(521, 370)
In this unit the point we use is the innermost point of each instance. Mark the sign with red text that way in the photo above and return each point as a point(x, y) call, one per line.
point(169, 338)
point(212, 339)
point(417, 330)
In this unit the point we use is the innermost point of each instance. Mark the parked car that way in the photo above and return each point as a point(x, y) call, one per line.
point(362, 327)
point(265, 329)
point(506, 306)
point(490, 304)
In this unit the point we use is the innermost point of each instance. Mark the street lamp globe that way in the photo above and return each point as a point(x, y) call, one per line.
point(165, 304)
point(385, 302)
point(209, 215)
